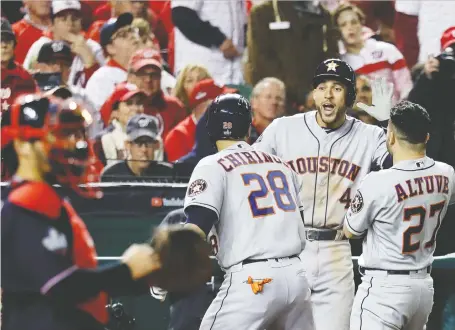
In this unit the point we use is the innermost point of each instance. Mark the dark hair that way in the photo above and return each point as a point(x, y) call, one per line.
point(412, 121)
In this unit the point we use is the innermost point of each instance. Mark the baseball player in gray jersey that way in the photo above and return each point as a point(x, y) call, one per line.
point(332, 153)
point(251, 200)
point(400, 210)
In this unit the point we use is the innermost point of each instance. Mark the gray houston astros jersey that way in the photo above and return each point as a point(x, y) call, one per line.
point(402, 209)
point(331, 164)
point(255, 196)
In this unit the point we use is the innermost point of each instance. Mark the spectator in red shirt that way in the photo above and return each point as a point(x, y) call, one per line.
point(31, 27)
point(15, 80)
point(145, 72)
point(180, 140)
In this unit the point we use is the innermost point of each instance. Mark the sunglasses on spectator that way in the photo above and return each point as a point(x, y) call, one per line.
point(147, 142)
point(125, 32)
point(153, 74)
point(136, 102)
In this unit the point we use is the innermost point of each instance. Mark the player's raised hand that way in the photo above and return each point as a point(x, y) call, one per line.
point(382, 100)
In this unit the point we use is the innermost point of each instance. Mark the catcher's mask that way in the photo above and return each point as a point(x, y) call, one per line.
point(61, 126)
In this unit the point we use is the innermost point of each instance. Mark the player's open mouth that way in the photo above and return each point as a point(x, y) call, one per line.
point(328, 107)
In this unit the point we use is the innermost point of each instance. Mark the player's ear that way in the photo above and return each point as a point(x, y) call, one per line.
point(428, 138)
point(23, 148)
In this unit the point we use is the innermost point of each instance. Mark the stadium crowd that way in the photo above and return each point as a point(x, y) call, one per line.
point(160, 63)
point(146, 71)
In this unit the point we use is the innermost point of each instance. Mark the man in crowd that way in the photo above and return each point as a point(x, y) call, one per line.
point(32, 26)
point(15, 80)
point(110, 10)
point(212, 34)
point(364, 95)
point(145, 71)
point(180, 140)
point(268, 102)
point(67, 27)
point(53, 66)
point(142, 141)
point(119, 41)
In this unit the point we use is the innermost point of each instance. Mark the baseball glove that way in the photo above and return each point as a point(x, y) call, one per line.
point(185, 259)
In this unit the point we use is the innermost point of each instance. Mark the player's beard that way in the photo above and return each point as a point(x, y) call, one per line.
point(334, 118)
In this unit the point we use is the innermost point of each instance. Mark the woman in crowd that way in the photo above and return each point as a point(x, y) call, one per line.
point(186, 80)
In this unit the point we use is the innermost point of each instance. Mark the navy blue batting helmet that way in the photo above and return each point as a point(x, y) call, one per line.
point(338, 70)
point(228, 117)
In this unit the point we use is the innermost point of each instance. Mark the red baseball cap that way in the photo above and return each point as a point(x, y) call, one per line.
point(207, 89)
point(145, 57)
point(448, 37)
point(124, 92)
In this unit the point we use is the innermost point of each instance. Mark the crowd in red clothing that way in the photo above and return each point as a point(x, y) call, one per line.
point(164, 61)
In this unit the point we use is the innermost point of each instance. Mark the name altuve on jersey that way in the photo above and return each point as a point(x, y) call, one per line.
point(416, 186)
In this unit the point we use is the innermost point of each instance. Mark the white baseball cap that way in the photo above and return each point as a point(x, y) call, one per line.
point(61, 5)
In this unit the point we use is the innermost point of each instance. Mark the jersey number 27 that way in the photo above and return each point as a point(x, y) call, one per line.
point(278, 186)
point(421, 212)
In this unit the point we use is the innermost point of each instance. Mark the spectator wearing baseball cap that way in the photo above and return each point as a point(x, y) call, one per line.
point(15, 80)
point(30, 28)
point(180, 140)
point(146, 71)
point(147, 58)
point(119, 41)
point(143, 136)
point(53, 65)
point(127, 102)
point(67, 26)
point(104, 12)
point(148, 41)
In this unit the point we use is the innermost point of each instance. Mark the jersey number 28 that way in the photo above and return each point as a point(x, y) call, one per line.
point(278, 185)
point(421, 212)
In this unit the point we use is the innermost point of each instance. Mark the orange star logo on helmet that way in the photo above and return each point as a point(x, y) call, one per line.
point(332, 66)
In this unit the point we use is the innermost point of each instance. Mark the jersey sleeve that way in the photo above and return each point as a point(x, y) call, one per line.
point(267, 140)
point(206, 187)
point(362, 210)
point(381, 152)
